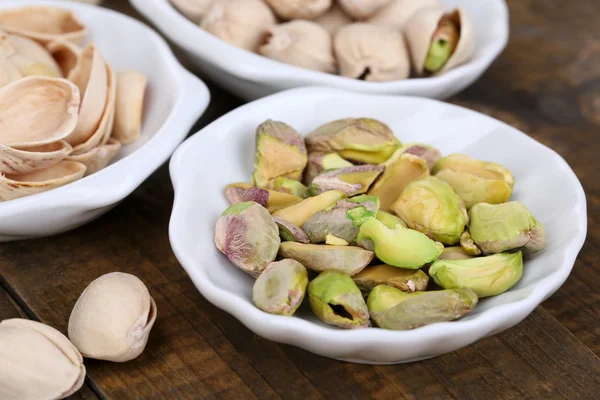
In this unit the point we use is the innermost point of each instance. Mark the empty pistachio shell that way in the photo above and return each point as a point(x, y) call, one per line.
point(131, 86)
point(98, 157)
point(454, 253)
point(373, 52)
point(398, 12)
point(299, 9)
point(362, 9)
point(290, 186)
point(65, 53)
point(272, 200)
point(319, 162)
point(347, 259)
point(8, 72)
point(499, 227)
point(334, 19)
point(248, 236)
point(28, 57)
point(304, 44)
point(421, 34)
point(194, 10)
point(280, 151)
point(37, 362)
point(352, 180)
point(391, 308)
point(299, 213)
point(430, 205)
point(407, 280)
point(112, 318)
point(290, 232)
point(19, 161)
point(336, 300)
point(281, 287)
point(242, 23)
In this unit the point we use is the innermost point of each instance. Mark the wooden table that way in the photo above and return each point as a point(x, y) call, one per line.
point(547, 83)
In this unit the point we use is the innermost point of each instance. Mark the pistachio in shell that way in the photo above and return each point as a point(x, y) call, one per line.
point(397, 13)
point(271, 199)
point(299, 213)
point(290, 186)
point(362, 9)
point(248, 236)
point(27, 57)
point(351, 181)
point(290, 232)
point(334, 19)
point(299, 9)
point(194, 10)
point(429, 205)
point(407, 280)
point(391, 308)
point(347, 259)
point(336, 300)
point(319, 162)
point(486, 276)
point(281, 287)
point(499, 227)
point(280, 152)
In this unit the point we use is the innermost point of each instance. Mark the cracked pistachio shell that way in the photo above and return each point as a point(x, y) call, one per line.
point(290, 232)
point(29, 159)
point(336, 300)
point(407, 280)
point(112, 318)
point(271, 199)
point(420, 29)
point(280, 151)
point(362, 9)
point(429, 205)
point(398, 12)
point(319, 162)
point(343, 220)
point(352, 180)
point(401, 247)
point(396, 176)
point(334, 19)
point(98, 157)
point(130, 93)
point(391, 308)
point(377, 53)
point(194, 10)
point(454, 253)
point(299, 213)
point(280, 288)
point(301, 43)
point(290, 186)
point(65, 53)
point(486, 276)
point(27, 57)
point(248, 236)
point(242, 23)
point(499, 227)
point(299, 9)
point(347, 259)
point(37, 362)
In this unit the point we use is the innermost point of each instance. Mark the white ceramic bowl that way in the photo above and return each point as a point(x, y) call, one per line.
point(251, 76)
point(175, 99)
point(222, 153)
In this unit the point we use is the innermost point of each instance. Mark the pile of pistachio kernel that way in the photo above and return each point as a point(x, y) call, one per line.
point(372, 218)
point(374, 40)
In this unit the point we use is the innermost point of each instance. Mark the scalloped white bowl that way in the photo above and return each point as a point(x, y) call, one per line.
point(175, 99)
point(251, 76)
point(222, 153)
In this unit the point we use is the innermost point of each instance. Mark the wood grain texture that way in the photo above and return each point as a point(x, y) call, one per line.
point(546, 83)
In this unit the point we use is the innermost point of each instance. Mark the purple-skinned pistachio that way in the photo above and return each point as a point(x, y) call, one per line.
point(352, 180)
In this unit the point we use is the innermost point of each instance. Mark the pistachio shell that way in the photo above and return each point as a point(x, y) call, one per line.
point(420, 29)
point(20, 161)
point(98, 157)
point(377, 53)
point(91, 77)
point(398, 12)
point(37, 362)
point(362, 9)
point(334, 19)
point(299, 9)
point(131, 86)
point(43, 24)
point(16, 186)
point(194, 10)
point(112, 318)
point(38, 110)
point(65, 53)
point(28, 56)
point(8, 72)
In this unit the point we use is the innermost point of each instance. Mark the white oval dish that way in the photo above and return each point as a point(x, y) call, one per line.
point(544, 183)
point(174, 101)
point(251, 76)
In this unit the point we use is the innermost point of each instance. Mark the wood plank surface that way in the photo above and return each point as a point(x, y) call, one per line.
point(547, 83)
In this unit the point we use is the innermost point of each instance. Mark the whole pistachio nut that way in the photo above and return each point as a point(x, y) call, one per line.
point(299, 9)
point(299, 213)
point(454, 253)
point(280, 151)
point(389, 220)
point(375, 53)
point(362, 9)
point(271, 199)
point(112, 318)
point(401, 247)
point(343, 220)
point(194, 10)
point(290, 186)
point(499, 227)
point(336, 300)
point(334, 19)
point(352, 180)
point(429, 205)
point(425, 151)
point(37, 362)
point(486, 276)
point(248, 236)
point(468, 245)
point(347, 259)
point(319, 162)
point(242, 23)
point(396, 176)
point(290, 232)
point(304, 44)
point(475, 181)
point(280, 288)
point(391, 308)
point(398, 12)
point(407, 280)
